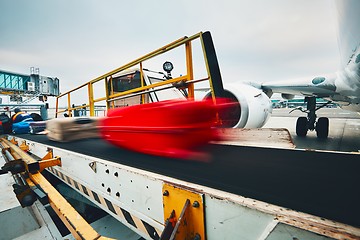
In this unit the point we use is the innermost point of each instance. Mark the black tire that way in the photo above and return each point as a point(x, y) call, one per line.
point(36, 117)
point(322, 127)
point(301, 126)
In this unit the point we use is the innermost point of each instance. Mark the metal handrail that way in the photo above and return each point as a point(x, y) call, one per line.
point(110, 95)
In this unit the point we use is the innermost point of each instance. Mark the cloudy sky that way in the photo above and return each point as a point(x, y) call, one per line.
point(255, 40)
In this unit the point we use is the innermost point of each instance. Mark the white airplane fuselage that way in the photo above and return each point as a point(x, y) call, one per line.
point(347, 82)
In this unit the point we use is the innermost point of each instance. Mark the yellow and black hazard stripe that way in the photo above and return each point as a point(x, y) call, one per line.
point(122, 213)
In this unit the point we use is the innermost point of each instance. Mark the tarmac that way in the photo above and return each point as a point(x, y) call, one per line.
point(344, 130)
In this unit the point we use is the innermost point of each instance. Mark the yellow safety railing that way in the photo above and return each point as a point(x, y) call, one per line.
point(110, 95)
point(27, 169)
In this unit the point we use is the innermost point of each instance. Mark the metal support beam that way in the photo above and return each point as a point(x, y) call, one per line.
point(190, 71)
point(78, 227)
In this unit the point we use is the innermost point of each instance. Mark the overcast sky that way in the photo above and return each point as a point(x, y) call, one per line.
point(255, 40)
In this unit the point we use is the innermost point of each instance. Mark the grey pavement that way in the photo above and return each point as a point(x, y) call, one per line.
point(344, 132)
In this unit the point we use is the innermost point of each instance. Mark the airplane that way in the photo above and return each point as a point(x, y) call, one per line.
point(251, 105)
point(342, 87)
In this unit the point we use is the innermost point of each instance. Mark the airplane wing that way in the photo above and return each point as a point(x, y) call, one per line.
point(321, 86)
point(344, 85)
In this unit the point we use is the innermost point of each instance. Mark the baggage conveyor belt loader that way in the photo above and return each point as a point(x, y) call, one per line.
point(240, 194)
point(243, 192)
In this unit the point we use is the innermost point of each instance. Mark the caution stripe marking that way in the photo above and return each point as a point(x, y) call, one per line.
point(136, 222)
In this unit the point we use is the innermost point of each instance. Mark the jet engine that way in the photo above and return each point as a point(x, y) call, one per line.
point(250, 107)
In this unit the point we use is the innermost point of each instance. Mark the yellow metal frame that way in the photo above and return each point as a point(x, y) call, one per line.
point(23, 146)
point(188, 207)
point(109, 94)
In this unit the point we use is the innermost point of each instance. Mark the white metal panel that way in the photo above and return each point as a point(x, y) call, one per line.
point(227, 220)
point(131, 219)
point(100, 181)
point(140, 195)
point(286, 232)
point(137, 192)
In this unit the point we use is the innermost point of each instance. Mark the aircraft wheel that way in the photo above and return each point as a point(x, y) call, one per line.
point(301, 126)
point(322, 127)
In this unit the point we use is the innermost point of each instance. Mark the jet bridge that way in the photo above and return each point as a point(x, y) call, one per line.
point(18, 85)
point(23, 89)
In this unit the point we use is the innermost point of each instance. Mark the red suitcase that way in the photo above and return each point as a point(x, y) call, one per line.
point(173, 128)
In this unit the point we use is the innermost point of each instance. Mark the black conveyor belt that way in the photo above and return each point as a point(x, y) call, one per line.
point(320, 183)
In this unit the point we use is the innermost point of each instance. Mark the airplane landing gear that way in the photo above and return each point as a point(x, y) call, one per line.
point(322, 127)
point(301, 126)
point(304, 124)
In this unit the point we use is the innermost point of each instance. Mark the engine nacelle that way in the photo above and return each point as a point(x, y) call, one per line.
point(252, 106)
point(287, 96)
